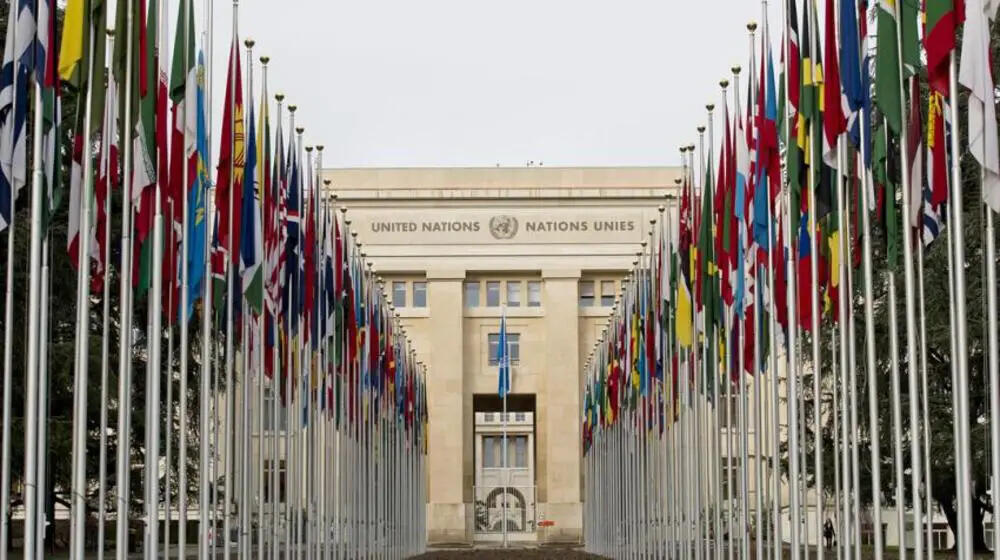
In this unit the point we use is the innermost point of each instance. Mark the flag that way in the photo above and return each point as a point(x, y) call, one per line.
point(51, 119)
point(229, 181)
point(107, 178)
point(888, 88)
point(935, 192)
point(71, 44)
point(14, 75)
point(82, 198)
point(834, 122)
point(915, 155)
point(804, 275)
point(503, 359)
point(941, 21)
point(146, 138)
point(197, 228)
point(183, 138)
point(976, 74)
point(684, 318)
point(251, 248)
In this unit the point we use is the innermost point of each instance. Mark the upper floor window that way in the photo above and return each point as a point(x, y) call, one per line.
point(534, 293)
point(399, 294)
point(513, 347)
point(607, 293)
point(586, 293)
point(513, 293)
point(420, 294)
point(472, 294)
point(493, 293)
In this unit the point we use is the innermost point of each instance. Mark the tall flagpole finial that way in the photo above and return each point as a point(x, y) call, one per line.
point(661, 209)
point(711, 106)
point(249, 43)
point(264, 60)
point(701, 129)
point(309, 149)
point(279, 97)
point(736, 70)
point(343, 209)
point(299, 130)
point(292, 108)
point(691, 146)
point(724, 83)
point(752, 26)
point(319, 147)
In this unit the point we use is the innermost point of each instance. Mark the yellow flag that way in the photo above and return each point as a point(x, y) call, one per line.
point(71, 49)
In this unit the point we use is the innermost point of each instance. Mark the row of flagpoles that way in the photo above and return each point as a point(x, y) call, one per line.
point(309, 411)
point(712, 360)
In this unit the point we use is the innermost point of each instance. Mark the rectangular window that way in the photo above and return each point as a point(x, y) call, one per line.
point(493, 294)
point(534, 293)
point(521, 452)
point(514, 293)
point(399, 294)
point(607, 293)
point(489, 453)
point(587, 293)
point(270, 423)
point(420, 294)
point(513, 347)
point(472, 294)
point(279, 488)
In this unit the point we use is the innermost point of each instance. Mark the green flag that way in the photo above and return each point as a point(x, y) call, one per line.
point(887, 84)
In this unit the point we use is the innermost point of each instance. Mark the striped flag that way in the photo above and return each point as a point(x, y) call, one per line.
point(251, 242)
point(14, 104)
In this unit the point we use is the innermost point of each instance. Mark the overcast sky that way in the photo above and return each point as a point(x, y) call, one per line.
point(476, 83)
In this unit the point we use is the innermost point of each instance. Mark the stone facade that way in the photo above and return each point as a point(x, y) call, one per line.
point(543, 243)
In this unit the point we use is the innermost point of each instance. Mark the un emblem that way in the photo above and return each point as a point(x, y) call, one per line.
point(503, 227)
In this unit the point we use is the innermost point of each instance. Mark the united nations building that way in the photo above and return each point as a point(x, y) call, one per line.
point(457, 248)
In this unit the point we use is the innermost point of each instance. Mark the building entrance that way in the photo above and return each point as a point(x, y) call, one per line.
point(504, 490)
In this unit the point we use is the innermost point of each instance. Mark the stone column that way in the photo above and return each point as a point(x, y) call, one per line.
point(559, 409)
point(446, 510)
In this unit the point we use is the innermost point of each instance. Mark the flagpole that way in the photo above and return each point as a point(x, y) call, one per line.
point(182, 483)
point(8, 335)
point(724, 371)
point(125, 323)
point(228, 255)
point(276, 327)
point(910, 308)
point(78, 507)
point(44, 400)
point(246, 360)
point(692, 376)
point(105, 324)
point(207, 530)
point(35, 376)
point(960, 374)
point(872, 373)
point(815, 335)
point(897, 429)
point(928, 509)
point(262, 324)
point(772, 248)
point(697, 406)
point(845, 303)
